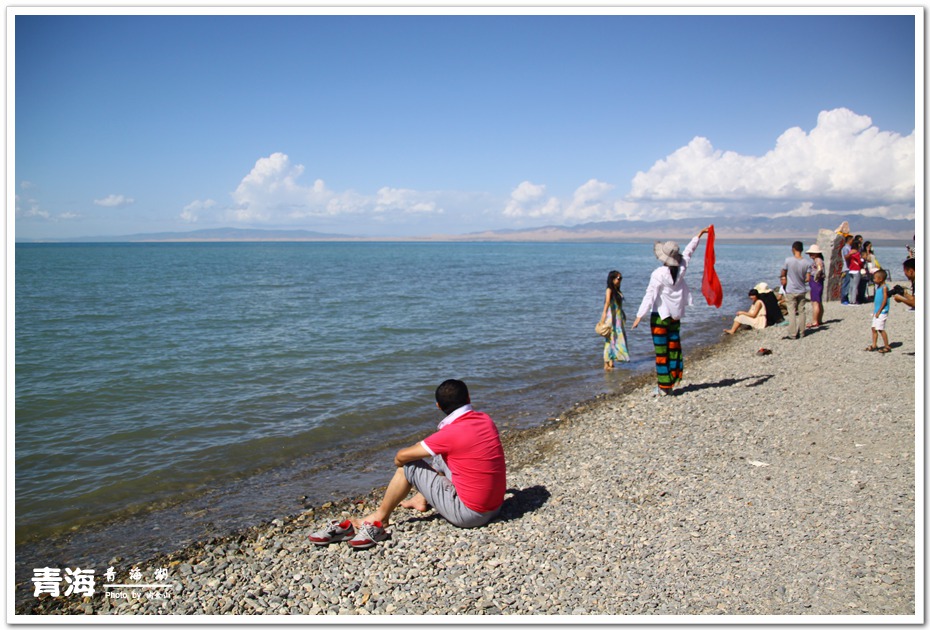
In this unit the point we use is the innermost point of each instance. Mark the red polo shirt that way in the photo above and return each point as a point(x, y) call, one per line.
point(471, 447)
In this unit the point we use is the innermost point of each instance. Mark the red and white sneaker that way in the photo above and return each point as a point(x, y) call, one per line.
point(334, 532)
point(369, 534)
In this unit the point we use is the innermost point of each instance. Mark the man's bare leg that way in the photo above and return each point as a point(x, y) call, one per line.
point(418, 503)
point(396, 492)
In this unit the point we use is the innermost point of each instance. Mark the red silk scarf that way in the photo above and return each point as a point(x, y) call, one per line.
point(710, 287)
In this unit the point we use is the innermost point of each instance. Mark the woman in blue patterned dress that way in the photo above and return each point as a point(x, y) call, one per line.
point(615, 345)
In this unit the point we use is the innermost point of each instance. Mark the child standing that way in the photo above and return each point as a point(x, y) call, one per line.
point(880, 312)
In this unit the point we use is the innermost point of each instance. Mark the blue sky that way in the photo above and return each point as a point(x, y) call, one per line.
point(399, 125)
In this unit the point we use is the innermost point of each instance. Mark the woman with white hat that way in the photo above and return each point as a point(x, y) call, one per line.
point(815, 276)
point(666, 298)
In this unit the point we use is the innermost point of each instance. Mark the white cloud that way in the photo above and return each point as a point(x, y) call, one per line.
point(114, 201)
point(529, 200)
point(404, 200)
point(271, 189)
point(844, 158)
point(191, 212)
point(893, 211)
point(271, 192)
point(845, 165)
point(590, 202)
point(656, 210)
point(806, 209)
point(29, 208)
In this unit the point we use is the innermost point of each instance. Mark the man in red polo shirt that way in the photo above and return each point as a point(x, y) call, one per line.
point(459, 470)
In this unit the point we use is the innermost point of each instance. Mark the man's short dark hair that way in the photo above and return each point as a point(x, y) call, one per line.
point(908, 263)
point(451, 395)
point(797, 246)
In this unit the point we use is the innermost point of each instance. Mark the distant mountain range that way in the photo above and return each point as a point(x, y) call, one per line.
point(218, 235)
point(738, 228)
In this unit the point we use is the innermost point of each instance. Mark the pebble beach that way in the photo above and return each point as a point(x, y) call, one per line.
point(778, 484)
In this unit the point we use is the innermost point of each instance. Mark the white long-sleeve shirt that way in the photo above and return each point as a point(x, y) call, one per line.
point(664, 296)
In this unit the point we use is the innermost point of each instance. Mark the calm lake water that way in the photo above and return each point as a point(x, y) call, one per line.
point(201, 386)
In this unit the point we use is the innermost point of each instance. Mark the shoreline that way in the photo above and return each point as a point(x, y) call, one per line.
point(562, 465)
point(229, 508)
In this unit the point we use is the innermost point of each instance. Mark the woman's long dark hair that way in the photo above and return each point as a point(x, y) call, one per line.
point(615, 294)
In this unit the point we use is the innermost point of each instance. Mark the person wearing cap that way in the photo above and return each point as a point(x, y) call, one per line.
point(666, 298)
point(794, 282)
point(815, 277)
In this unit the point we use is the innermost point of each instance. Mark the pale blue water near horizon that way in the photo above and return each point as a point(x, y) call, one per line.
point(150, 375)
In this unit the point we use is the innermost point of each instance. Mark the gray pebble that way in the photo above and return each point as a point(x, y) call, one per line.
point(774, 485)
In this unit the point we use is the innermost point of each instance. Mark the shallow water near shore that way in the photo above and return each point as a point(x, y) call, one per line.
point(166, 392)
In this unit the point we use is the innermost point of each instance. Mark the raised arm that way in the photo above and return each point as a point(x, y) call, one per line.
point(689, 250)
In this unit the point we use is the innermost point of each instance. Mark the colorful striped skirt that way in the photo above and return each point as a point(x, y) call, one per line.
point(666, 337)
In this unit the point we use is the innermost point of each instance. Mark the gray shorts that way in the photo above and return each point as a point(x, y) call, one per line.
point(441, 494)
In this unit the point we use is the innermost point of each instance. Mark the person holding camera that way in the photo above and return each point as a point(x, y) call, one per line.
point(899, 293)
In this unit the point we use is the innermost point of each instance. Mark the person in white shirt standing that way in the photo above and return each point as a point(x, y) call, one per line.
point(794, 280)
point(666, 298)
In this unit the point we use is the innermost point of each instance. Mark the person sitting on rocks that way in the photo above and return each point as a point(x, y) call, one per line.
point(754, 317)
point(459, 470)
